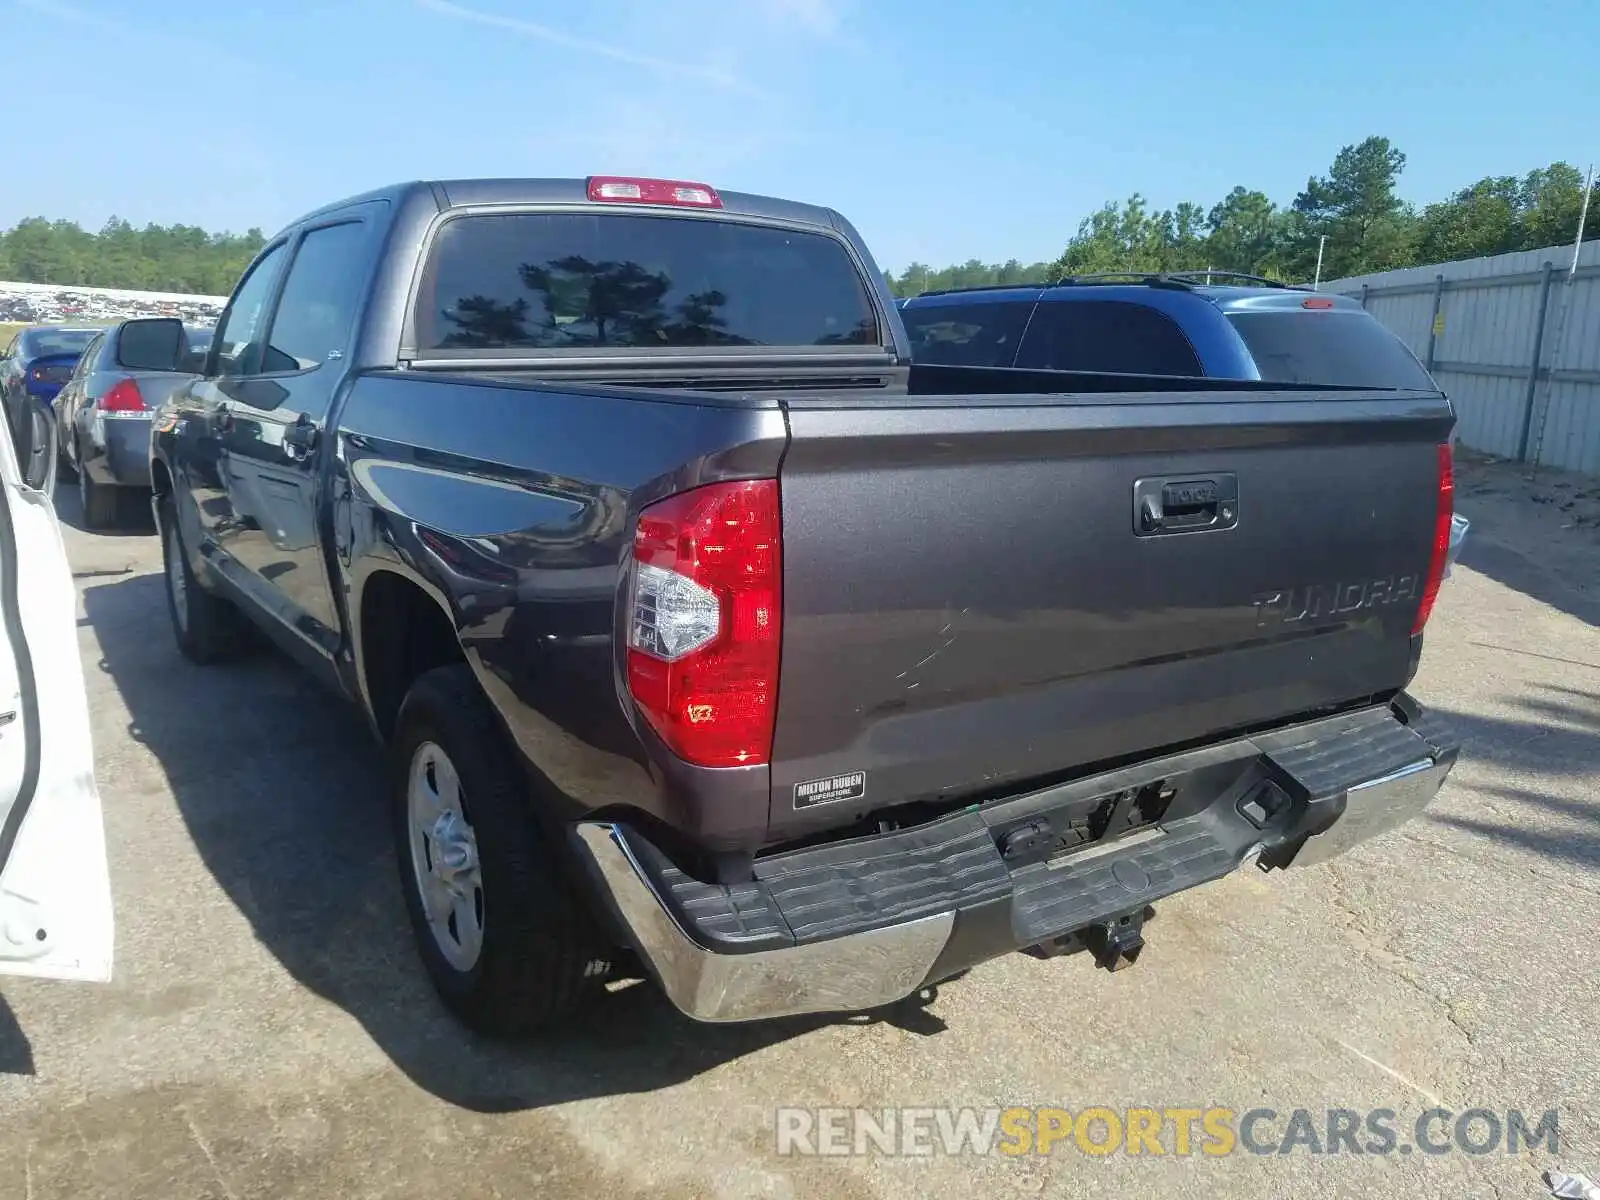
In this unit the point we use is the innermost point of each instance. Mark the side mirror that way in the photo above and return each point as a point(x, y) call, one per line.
point(152, 344)
point(39, 455)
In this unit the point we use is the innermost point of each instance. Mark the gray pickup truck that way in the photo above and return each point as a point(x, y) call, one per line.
point(709, 637)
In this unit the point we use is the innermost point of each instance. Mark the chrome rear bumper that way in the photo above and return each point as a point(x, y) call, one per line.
point(847, 974)
point(859, 924)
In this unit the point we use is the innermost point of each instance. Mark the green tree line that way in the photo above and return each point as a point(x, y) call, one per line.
point(157, 258)
point(1355, 206)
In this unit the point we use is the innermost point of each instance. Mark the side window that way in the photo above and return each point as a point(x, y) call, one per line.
point(1106, 335)
point(982, 334)
point(318, 308)
point(10, 351)
point(239, 338)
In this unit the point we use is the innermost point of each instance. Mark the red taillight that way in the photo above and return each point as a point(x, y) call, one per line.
point(124, 397)
point(705, 619)
point(618, 189)
point(1317, 302)
point(36, 373)
point(1441, 537)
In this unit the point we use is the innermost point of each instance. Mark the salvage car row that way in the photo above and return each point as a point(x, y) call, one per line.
point(725, 622)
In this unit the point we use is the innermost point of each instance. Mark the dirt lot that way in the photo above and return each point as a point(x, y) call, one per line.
point(269, 1032)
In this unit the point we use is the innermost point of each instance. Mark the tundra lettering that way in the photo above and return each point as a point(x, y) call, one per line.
point(1315, 601)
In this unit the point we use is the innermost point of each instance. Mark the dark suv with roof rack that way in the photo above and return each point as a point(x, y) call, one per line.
point(1164, 324)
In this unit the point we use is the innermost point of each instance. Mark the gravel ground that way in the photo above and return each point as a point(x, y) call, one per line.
point(269, 1032)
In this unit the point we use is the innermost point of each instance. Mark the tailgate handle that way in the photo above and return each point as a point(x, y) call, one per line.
point(1186, 504)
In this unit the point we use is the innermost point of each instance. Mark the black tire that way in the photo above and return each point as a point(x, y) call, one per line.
point(99, 502)
point(541, 952)
point(207, 627)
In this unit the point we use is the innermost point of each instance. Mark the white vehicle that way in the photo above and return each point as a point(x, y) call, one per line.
point(55, 890)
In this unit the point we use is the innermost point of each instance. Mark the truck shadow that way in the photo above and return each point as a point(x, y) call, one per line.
point(280, 787)
point(1517, 571)
point(1552, 733)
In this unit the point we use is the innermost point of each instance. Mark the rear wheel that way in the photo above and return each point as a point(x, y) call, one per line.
point(499, 923)
point(207, 627)
point(98, 501)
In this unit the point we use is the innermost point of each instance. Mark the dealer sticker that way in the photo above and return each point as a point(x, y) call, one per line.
point(850, 786)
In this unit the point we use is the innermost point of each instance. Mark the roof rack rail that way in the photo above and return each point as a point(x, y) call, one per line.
point(1149, 278)
point(1177, 279)
point(979, 287)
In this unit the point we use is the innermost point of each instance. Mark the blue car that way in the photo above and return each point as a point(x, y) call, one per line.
point(1164, 324)
point(40, 359)
point(35, 365)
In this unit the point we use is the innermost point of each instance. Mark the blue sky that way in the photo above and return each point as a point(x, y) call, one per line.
point(944, 130)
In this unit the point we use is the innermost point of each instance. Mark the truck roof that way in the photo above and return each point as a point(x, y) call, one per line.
point(460, 193)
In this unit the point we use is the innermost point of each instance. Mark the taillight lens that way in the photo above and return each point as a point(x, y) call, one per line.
point(1441, 536)
point(705, 620)
point(124, 397)
point(49, 374)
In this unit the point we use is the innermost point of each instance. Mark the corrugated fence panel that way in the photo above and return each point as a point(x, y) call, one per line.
point(1485, 410)
point(1407, 315)
point(1584, 342)
point(1483, 345)
point(1572, 431)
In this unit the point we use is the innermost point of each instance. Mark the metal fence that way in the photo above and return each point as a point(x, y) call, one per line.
point(1514, 339)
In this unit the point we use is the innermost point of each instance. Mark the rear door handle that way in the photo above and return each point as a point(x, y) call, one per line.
point(1185, 504)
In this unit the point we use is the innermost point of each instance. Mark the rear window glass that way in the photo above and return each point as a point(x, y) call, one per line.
point(56, 341)
point(1112, 336)
point(1334, 349)
point(557, 281)
point(966, 335)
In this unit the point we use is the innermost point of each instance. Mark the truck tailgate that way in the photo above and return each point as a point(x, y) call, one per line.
point(985, 591)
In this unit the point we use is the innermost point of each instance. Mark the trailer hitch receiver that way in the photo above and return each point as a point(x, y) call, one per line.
point(1117, 943)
